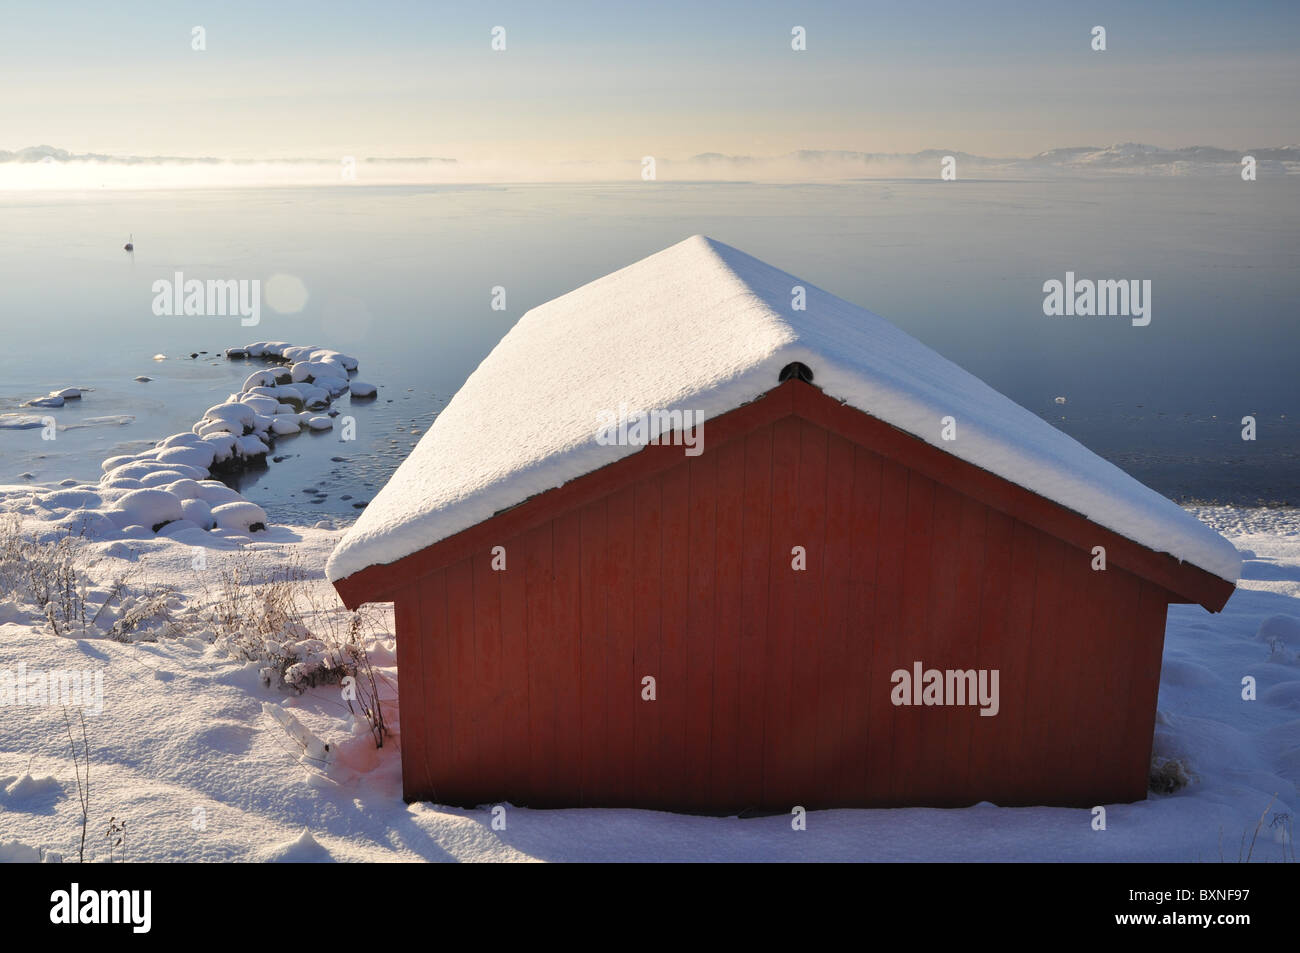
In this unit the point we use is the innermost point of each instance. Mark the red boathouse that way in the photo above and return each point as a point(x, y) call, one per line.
point(736, 616)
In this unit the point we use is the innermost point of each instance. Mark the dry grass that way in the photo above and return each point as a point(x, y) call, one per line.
point(59, 579)
point(265, 607)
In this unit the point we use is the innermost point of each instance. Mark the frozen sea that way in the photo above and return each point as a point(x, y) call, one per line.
point(402, 278)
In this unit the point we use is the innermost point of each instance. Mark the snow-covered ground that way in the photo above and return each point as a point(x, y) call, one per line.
point(196, 752)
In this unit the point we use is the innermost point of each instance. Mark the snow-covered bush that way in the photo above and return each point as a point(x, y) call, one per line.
point(12, 571)
point(58, 579)
point(1168, 775)
point(300, 662)
point(294, 625)
point(51, 575)
point(142, 614)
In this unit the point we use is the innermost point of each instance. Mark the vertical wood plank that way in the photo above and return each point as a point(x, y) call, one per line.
point(597, 772)
point(701, 628)
point(984, 778)
point(565, 656)
point(724, 759)
point(956, 645)
point(888, 646)
point(624, 694)
point(647, 616)
point(671, 769)
point(941, 648)
point(1080, 636)
point(515, 721)
point(755, 567)
point(462, 692)
point(1045, 681)
point(487, 674)
point(1148, 636)
point(412, 723)
point(437, 686)
point(542, 683)
point(808, 627)
point(910, 722)
point(780, 782)
point(1011, 650)
point(1117, 653)
point(862, 738)
point(836, 685)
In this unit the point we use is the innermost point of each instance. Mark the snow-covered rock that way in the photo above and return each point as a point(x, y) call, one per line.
point(198, 512)
point(148, 507)
point(262, 378)
point(260, 405)
point(285, 423)
point(199, 456)
point(223, 445)
point(250, 445)
point(317, 372)
point(237, 417)
point(313, 397)
point(183, 525)
point(140, 469)
point(240, 517)
point(182, 440)
point(298, 353)
point(184, 489)
point(73, 499)
point(122, 483)
point(157, 478)
point(215, 493)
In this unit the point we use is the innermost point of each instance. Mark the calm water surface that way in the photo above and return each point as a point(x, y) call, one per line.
point(401, 278)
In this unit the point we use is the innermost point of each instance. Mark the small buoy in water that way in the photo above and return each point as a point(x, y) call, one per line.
point(130, 243)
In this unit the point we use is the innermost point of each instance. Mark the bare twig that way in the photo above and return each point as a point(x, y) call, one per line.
point(82, 771)
point(1251, 852)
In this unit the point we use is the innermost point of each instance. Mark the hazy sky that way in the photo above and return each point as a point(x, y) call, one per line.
point(617, 79)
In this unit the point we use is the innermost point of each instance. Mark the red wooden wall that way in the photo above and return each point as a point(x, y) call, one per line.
point(773, 685)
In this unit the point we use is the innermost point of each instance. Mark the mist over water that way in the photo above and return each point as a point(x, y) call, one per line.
point(402, 276)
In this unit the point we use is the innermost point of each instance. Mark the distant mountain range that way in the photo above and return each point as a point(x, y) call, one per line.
point(1122, 157)
point(51, 154)
point(1125, 157)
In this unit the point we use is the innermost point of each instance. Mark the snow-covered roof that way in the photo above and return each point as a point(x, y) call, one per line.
point(704, 327)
